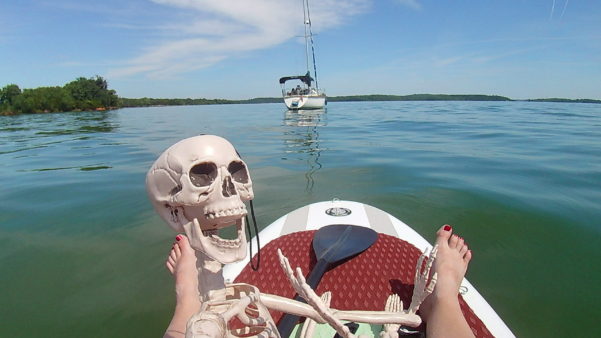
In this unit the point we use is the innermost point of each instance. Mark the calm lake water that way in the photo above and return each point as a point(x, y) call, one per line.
point(82, 252)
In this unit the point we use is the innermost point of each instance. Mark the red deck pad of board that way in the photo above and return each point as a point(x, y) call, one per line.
point(363, 282)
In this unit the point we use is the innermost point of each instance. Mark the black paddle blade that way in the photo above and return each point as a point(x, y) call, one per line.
point(331, 244)
point(336, 242)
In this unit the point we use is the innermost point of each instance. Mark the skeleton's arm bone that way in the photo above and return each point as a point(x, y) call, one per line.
point(373, 317)
point(288, 305)
point(379, 317)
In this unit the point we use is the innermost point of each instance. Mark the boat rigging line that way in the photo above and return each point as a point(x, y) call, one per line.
point(307, 17)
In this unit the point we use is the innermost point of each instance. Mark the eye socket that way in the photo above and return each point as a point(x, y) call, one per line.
point(238, 172)
point(203, 174)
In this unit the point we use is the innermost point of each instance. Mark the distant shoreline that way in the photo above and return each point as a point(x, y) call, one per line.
point(148, 102)
point(122, 102)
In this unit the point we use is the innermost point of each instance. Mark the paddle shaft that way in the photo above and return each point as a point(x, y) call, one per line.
point(288, 322)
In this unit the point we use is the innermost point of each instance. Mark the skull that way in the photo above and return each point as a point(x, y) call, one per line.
point(199, 186)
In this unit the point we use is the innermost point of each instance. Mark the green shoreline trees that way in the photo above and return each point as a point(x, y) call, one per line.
point(81, 94)
point(93, 94)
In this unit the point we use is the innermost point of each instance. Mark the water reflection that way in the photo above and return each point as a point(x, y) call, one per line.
point(302, 139)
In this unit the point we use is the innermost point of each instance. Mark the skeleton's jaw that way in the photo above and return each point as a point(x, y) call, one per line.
point(222, 250)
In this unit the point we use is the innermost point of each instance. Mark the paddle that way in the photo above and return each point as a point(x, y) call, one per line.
point(331, 244)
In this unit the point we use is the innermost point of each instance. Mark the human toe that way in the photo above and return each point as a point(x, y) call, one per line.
point(443, 234)
point(184, 244)
point(463, 250)
point(174, 254)
point(170, 264)
point(177, 250)
point(454, 241)
point(460, 243)
point(468, 256)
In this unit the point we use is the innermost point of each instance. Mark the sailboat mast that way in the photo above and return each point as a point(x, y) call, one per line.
point(309, 41)
point(307, 23)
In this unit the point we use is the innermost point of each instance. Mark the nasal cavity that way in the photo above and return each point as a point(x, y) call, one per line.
point(227, 187)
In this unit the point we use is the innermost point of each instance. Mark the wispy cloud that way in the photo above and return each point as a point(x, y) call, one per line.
point(129, 26)
point(565, 5)
point(410, 3)
point(221, 29)
point(507, 53)
point(442, 62)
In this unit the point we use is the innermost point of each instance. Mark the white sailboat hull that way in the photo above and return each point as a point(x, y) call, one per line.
point(314, 101)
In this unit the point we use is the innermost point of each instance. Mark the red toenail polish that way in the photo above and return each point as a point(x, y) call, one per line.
point(447, 228)
point(178, 237)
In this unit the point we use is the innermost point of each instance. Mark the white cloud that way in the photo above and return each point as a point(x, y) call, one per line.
point(225, 28)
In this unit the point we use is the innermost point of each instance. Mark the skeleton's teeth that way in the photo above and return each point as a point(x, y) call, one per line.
point(213, 236)
point(208, 233)
point(225, 212)
point(232, 243)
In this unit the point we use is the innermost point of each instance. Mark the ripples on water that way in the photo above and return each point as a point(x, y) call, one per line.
point(82, 250)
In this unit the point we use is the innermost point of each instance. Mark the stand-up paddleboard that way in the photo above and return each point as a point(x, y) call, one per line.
point(363, 282)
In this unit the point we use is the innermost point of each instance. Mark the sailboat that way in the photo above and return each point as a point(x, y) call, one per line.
point(307, 94)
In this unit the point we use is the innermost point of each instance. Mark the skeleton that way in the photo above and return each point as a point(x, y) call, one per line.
point(423, 286)
point(199, 186)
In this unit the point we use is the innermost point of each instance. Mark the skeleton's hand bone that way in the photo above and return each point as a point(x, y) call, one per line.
point(309, 325)
point(393, 304)
point(422, 288)
point(304, 290)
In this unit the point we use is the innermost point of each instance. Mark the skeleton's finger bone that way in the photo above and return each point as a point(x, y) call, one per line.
point(418, 266)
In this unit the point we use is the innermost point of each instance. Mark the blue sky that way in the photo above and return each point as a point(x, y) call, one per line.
point(238, 49)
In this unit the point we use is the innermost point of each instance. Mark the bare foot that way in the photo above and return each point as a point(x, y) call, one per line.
point(451, 262)
point(441, 309)
point(181, 262)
